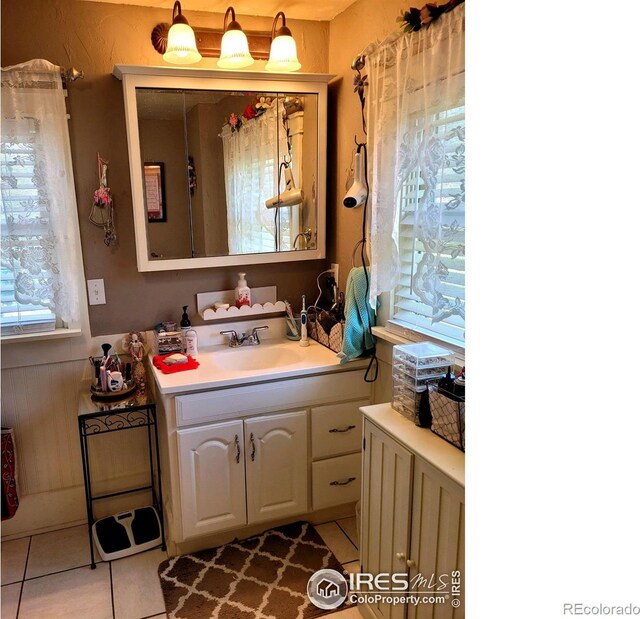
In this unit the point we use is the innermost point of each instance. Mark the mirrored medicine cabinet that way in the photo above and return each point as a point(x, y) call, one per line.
point(227, 167)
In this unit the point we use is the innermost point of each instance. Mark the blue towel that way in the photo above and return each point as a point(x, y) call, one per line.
point(358, 317)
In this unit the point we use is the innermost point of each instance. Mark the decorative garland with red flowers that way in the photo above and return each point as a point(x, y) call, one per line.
point(414, 19)
point(253, 110)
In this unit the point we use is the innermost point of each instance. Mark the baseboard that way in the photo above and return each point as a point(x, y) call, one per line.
point(218, 539)
point(60, 509)
point(46, 511)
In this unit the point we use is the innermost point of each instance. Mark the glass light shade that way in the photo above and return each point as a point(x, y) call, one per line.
point(234, 50)
point(181, 45)
point(283, 55)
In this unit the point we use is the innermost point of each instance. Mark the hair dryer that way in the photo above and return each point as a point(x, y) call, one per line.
point(357, 193)
point(290, 196)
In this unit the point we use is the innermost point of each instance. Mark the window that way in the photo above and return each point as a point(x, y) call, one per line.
point(430, 294)
point(416, 139)
point(41, 261)
point(25, 224)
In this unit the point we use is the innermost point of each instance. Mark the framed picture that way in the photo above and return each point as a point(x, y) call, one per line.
point(154, 191)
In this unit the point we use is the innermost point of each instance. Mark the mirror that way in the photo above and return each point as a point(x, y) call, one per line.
point(226, 170)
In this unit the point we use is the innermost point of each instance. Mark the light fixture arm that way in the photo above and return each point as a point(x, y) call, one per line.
point(283, 30)
point(179, 18)
point(233, 25)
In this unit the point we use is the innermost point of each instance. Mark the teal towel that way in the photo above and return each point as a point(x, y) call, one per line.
point(358, 317)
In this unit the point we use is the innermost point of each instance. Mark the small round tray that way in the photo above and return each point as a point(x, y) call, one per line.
point(111, 396)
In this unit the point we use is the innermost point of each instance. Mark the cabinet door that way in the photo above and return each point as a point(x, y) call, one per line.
point(212, 478)
point(277, 466)
point(386, 510)
point(437, 538)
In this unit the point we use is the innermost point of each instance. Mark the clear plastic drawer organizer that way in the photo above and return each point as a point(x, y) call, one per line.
point(415, 366)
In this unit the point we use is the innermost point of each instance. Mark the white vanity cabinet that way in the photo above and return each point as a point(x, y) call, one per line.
point(243, 472)
point(412, 513)
point(266, 452)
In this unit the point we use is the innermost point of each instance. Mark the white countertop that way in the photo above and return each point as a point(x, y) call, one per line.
point(420, 441)
point(221, 366)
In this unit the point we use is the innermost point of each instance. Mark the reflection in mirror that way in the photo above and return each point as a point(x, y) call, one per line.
point(239, 171)
point(154, 191)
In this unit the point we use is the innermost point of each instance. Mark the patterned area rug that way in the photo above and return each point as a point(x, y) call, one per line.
point(263, 577)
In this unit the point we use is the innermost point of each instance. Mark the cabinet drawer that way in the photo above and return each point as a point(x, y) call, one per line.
point(266, 397)
point(336, 429)
point(336, 481)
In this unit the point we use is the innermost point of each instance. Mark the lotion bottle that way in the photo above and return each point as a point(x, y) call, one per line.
point(243, 292)
point(185, 325)
point(191, 343)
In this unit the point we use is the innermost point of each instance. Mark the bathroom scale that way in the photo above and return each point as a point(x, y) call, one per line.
point(127, 533)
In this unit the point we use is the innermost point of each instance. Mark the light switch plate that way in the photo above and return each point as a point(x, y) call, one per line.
point(96, 292)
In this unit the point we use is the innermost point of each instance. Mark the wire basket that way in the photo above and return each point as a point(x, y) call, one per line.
point(325, 329)
point(447, 415)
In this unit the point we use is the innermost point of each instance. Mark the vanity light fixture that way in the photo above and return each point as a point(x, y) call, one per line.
point(283, 55)
point(234, 48)
point(181, 41)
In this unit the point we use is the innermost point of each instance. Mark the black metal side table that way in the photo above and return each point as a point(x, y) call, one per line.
point(95, 418)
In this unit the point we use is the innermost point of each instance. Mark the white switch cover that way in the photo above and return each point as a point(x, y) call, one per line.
point(96, 292)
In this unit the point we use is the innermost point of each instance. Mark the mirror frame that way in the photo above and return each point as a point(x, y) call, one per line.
point(133, 77)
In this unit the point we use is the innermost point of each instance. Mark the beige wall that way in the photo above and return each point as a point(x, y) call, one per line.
point(93, 37)
point(350, 32)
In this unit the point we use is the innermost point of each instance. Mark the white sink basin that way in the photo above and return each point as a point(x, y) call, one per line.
point(249, 358)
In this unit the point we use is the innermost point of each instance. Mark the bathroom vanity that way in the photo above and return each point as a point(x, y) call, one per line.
point(413, 512)
point(256, 435)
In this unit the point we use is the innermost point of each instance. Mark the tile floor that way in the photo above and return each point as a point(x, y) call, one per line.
point(48, 575)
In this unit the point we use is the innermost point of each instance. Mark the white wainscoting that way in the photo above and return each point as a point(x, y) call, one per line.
point(40, 403)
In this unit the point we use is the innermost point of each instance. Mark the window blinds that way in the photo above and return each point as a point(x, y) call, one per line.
point(431, 238)
point(25, 225)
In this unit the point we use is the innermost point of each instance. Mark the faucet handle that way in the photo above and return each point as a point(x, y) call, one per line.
point(232, 333)
point(254, 333)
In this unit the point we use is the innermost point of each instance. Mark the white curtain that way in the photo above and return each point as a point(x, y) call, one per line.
point(413, 79)
point(250, 173)
point(40, 238)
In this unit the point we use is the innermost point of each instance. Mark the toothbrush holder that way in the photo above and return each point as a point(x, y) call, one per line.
point(290, 334)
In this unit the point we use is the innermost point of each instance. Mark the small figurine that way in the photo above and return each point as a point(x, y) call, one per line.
point(134, 342)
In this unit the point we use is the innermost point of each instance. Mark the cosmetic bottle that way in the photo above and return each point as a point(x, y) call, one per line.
point(185, 325)
point(243, 292)
point(191, 342)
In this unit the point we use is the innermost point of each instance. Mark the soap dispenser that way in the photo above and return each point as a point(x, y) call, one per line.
point(185, 325)
point(243, 292)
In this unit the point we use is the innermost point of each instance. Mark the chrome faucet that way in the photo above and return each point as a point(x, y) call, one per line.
point(250, 339)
